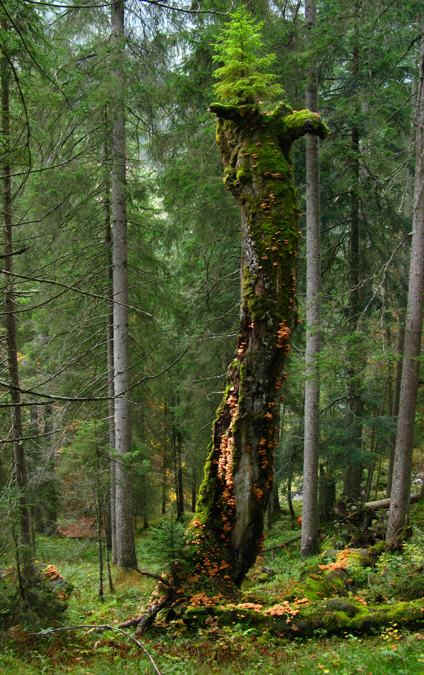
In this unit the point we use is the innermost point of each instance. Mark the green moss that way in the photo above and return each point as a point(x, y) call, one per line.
point(300, 120)
point(343, 605)
point(242, 175)
point(336, 616)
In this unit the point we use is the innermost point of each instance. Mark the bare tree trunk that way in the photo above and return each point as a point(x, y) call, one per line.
point(310, 514)
point(24, 539)
point(353, 475)
point(179, 474)
point(401, 483)
point(290, 497)
point(109, 342)
point(164, 486)
point(255, 149)
point(125, 541)
point(99, 500)
point(193, 489)
point(396, 398)
point(50, 490)
point(327, 494)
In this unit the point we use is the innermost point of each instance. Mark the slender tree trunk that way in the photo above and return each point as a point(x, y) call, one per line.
point(353, 475)
point(109, 342)
point(327, 494)
point(401, 483)
point(144, 504)
point(99, 523)
point(179, 475)
point(396, 398)
point(290, 497)
point(166, 457)
point(255, 149)
point(124, 522)
point(377, 480)
point(193, 489)
point(35, 477)
point(164, 486)
point(310, 514)
point(24, 539)
point(50, 489)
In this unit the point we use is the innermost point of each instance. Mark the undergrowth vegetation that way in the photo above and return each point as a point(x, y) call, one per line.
point(280, 576)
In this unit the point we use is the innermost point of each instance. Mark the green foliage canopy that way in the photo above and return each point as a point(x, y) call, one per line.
point(243, 79)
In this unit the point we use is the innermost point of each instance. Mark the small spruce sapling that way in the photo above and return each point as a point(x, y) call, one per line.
point(243, 79)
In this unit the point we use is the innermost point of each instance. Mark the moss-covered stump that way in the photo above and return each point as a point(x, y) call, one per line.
point(336, 615)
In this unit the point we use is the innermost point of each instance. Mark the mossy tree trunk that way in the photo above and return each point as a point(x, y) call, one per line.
point(255, 148)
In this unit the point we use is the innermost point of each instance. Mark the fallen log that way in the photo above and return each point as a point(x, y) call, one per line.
point(385, 503)
point(334, 615)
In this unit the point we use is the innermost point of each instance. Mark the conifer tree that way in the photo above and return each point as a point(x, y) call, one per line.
point(401, 483)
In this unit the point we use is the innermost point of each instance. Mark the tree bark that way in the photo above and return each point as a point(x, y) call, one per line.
point(396, 399)
point(179, 475)
point(24, 538)
point(50, 488)
point(402, 466)
point(327, 494)
point(310, 512)
point(109, 344)
point(255, 148)
point(125, 542)
point(353, 475)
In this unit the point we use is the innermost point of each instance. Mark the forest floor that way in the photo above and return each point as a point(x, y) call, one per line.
point(215, 648)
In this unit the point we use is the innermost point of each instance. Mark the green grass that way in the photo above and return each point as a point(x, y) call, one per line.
point(211, 649)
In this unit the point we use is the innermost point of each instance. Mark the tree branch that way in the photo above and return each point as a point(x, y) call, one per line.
point(82, 399)
point(76, 290)
point(301, 122)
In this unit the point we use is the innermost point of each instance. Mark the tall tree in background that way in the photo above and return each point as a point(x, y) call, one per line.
point(23, 527)
point(353, 475)
point(124, 524)
point(310, 521)
point(401, 481)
